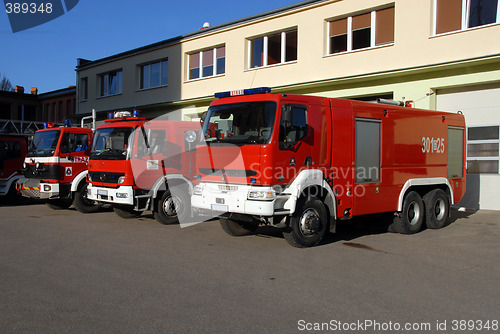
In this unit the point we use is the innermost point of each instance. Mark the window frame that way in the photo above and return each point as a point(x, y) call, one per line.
point(265, 48)
point(149, 64)
point(465, 18)
point(119, 83)
point(215, 65)
point(493, 158)
point(84, 89)
point(350, 31)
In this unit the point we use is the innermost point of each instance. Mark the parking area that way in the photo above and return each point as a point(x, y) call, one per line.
point(66, 272)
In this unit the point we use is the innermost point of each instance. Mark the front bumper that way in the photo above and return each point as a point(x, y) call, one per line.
point(221, 198)
point(28, 187)
point(123, 195)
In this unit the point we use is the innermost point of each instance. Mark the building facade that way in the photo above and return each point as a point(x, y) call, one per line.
point(23, 112)
point(441, 54)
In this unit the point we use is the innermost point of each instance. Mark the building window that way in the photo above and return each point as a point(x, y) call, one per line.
point(272, 49)
point(483, 149)
point(154, 75)
point(84, 89)
point(455, 15)
point(110, 83)
point(361, 31)
point(207, 63)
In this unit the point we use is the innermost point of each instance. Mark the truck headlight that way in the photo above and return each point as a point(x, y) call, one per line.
point(198, 190)
point(266, 195)
point(190, 136)
point(121, 179)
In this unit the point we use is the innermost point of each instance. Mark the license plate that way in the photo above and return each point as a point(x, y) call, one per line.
point(102, 192)
point(218, 207)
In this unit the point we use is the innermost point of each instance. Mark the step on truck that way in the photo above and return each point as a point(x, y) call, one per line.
point(301, 163)
point(55, 168)
point(138, 165)
point(13, 149)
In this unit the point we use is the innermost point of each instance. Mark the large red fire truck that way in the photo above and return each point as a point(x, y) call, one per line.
point(138, 165)
point(300, 163)
point(12, 152)
point(55, 168)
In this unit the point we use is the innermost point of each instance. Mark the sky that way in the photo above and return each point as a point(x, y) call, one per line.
point(45, 56)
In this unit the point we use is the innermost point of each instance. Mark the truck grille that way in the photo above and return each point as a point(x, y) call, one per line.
point(227, 188)
point(106, 177)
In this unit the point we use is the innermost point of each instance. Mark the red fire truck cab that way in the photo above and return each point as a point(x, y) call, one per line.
point(300, 163)
point(13, 148)
point(55, 167)
point(138, 165)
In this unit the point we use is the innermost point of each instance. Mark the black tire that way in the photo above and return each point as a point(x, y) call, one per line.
point(411, 219)
point(59, 204)
point(437, 208)
point(82, 203)
point(173, 208)
point(308, 225)
point(238, 228)
point(126, 211)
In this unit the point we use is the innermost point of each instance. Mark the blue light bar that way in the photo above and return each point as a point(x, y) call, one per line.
point(67, 123)
point(45, 125)
point(136, 113)
point(111, 115)
point(251, 91)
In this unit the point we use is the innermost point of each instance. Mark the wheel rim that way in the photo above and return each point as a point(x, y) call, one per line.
point(439, 209)
point(414, 213)
point(172, 206)
point(309, 222)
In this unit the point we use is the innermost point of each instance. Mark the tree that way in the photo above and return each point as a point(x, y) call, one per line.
point(5, 84)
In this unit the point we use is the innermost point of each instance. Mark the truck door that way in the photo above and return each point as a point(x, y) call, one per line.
point(293, 153)
point(74, 154)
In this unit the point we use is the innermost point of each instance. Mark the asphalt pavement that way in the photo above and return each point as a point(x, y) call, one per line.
point(67, 272)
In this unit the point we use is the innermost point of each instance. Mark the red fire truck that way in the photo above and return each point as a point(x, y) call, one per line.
point(300, 163)
point(55, 167)
point(138, 165)
point(12, 152)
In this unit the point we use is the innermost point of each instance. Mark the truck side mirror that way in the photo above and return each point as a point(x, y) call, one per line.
point(287, 116)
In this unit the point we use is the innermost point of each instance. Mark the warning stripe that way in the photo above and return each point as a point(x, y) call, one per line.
point(30, 188)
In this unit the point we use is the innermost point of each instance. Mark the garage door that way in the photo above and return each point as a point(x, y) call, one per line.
point(481, 108)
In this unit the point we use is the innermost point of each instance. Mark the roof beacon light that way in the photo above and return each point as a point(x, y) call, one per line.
point(122, 114)
point(111, 115)
point(136, 113)
point(67, 123)
point(45, 125)
point(251, 91)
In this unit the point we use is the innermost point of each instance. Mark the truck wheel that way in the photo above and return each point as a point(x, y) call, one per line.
point(410, 220)
point(308, 225)
point(238, 228)
point(173, 208)
point(126, 211)
point(59, 204)
point(82, 203)
point(437, 208)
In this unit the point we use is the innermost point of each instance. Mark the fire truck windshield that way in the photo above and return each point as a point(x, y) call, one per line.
point(110, 143)
point(44, 143)
point(244, 123)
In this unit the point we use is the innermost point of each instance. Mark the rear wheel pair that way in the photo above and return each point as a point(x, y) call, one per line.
point(433, 208)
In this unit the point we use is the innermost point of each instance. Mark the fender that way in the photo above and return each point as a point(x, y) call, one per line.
point(77, 179)
point(9, 181)
point(159, 183)
point(424, 182)
point(306, 179)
